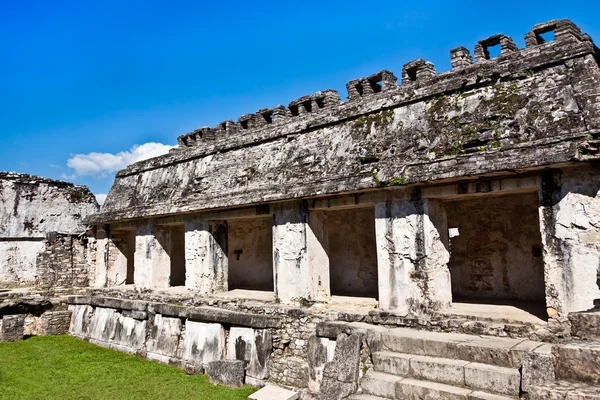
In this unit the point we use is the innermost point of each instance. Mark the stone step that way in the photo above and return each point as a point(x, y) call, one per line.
point(380, 384)
point(414, 389)
point(364, 397)
point(502, 352)
point(564, 390)
point(477, 376)
point(577, 361)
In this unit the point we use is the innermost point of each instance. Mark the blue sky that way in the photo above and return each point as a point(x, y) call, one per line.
point(82, 77)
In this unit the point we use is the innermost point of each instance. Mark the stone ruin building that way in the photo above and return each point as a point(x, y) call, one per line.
point(43, 239)
point(436, 237)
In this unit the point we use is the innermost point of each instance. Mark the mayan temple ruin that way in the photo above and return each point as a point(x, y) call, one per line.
point(433, 236)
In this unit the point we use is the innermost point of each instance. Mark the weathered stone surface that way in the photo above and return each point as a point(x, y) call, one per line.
point(586, 325)
point(228, 373)
point(271, 392)
point(577, 361)
point(31, 207)
point(252, 346)
point(320, 351)
point(80, 319)
point(164, 336)
point(340, 375)
point(12, 327)
point(103, 324)
point(538, 367)
point(55, 322)
point(203, 343)
point(359, 133)
point(130, 333)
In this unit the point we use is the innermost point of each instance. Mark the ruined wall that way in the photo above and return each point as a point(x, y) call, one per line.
point(524, 109)
point(250, 253)
point(30, 208)
point(498, 253)
point(352, 252)
point(570, 215)
point(64, 261)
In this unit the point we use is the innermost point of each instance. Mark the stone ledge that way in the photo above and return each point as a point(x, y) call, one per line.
point(201, 314)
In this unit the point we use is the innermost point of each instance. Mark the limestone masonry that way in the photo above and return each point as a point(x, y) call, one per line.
point(435, 236)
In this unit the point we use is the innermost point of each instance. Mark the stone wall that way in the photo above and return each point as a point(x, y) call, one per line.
point(571, 236)
point(498, 251)
point(31, 208)
point(64, 261)
point(526, 108)
point(270, 340)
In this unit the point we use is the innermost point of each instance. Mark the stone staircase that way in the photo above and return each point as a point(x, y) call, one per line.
point(413, 364)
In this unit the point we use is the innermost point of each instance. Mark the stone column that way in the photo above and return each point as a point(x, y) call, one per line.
point(206, 256)
point(299, 259)
point(411, 256)
point(569, 214)
point(152, 260)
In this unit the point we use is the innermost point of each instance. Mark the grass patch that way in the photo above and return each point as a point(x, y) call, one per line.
point(63, 367)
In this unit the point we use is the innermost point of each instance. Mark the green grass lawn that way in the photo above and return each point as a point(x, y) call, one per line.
point(63, 367)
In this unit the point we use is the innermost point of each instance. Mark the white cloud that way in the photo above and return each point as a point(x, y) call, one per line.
point(100, 197)
point(103, 164)
point(68, 177)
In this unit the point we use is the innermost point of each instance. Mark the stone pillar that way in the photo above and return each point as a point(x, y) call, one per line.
point(411, 256)
point(152, 260)
point(206, 256)
point(301, 269)
point(569, 214)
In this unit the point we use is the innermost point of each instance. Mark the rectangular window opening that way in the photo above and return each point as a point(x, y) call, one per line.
point(492, 51)
point(376, 85)
point(307, 106)
point(244, 124)
point(294, 110)
point(544, 37)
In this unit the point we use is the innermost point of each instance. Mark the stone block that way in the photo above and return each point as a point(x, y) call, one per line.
point(392, 363)
point(414, 389)
point(164, 336)
point(538, 367)
point(228, 373)
point(491, 378)
point(130, 333)
point(271, 392)
point(203, 343)
point(12, 328)
point(586, 325)
point(55, 322)
point(577, 361)
point(253, 346)
point(441, 370)
point(193, 368)
point(102, 324)
point(380, 384)
point(81, 315)
point(320, 351)
point(340, 375)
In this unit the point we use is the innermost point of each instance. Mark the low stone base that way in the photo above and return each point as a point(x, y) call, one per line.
point(228, 373)
point(271, 392)
point(12, 328)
